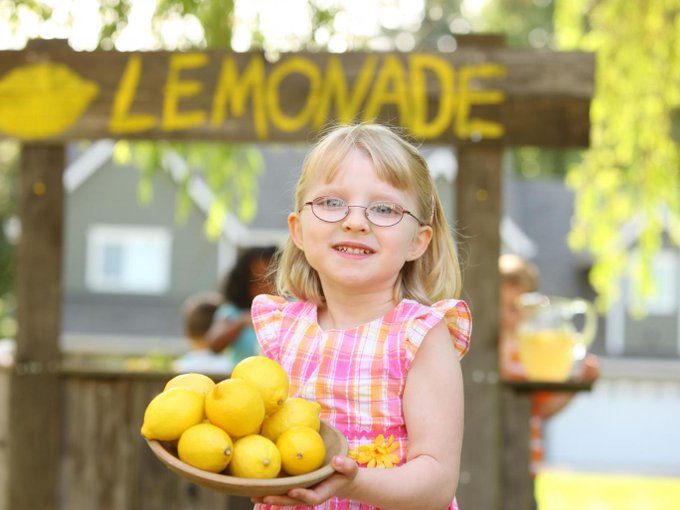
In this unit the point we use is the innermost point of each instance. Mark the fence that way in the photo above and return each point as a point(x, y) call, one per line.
point(105, 464)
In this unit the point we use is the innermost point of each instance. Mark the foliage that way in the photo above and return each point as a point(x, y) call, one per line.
point(229, 171)
point(630, 178)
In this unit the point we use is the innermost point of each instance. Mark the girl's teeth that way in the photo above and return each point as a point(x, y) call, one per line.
point(347, 249)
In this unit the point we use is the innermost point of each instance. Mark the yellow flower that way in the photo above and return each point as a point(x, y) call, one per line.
point(378, 453)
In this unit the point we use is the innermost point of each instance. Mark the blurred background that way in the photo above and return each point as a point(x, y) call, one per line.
point(601, 223)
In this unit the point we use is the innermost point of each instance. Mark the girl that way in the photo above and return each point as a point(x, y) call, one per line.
point(373, 334)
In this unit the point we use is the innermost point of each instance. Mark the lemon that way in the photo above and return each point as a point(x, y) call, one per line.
point(193, 381)
point(205, 446)
point(268, 376)
point(172, 412)
point(255, 456)
point(294, 411)
point(302, 450)
point(236, 407)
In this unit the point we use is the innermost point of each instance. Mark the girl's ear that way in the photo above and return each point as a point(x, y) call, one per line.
point(419, 243)
point(295, 229)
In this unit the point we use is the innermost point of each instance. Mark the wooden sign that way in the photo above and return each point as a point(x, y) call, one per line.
point(49, 93)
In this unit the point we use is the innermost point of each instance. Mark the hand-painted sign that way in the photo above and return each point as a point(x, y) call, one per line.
point(467, 96)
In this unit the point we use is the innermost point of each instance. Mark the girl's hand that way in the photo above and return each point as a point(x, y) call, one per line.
point(345, 472)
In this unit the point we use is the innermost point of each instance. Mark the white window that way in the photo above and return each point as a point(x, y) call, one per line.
point(128, 259)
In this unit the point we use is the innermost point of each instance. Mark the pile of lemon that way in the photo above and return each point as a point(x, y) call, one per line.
point(246, 424)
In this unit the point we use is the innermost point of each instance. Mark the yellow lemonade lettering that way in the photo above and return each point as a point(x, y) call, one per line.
point(335, 89)
point(390, 88)
point(122, 121)
point(176, 88)
point(233, 91)
point(466, 126)
point(419, 65)
point(293, 65)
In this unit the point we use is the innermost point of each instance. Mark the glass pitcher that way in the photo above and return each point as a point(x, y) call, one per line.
point(550, 338)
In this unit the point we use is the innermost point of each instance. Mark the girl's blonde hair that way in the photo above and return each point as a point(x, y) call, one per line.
point(433, 276)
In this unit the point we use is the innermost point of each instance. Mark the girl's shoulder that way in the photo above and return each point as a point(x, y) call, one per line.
point(419, 319)
point(274, 315)
point(450, 308)
point(266, 303)
point(267, 307)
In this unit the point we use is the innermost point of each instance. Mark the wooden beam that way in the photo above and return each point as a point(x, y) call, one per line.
point(478, 214)
point(476, 94)
point(35, 410)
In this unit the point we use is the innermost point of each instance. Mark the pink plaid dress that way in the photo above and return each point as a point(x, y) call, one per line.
point(357, 375)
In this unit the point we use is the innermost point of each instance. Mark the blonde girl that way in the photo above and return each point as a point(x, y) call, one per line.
point(368, 322)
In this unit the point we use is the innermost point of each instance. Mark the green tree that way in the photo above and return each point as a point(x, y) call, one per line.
point(630, 176)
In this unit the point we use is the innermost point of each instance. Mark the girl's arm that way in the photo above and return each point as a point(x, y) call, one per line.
point(433, 408)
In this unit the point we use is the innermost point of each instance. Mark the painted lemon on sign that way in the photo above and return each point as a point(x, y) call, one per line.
point(42, 100)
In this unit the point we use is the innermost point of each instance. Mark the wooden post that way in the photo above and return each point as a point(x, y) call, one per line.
point(517, 483)
point(478, 213)
point(34, 420)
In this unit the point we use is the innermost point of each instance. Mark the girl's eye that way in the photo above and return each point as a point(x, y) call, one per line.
point(385, 209)
point(331, 202)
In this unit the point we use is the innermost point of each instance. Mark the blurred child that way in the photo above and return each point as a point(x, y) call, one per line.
point(231, 333)
point(198, 311)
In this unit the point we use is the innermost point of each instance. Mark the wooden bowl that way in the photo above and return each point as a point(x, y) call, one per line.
point(336, 444)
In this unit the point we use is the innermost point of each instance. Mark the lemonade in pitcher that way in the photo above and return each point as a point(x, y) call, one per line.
point(547, 355)
point(549, 339)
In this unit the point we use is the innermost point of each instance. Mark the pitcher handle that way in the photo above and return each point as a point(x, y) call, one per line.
point(587, 309)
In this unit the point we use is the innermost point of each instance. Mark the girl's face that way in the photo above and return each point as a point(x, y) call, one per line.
point(354, 255)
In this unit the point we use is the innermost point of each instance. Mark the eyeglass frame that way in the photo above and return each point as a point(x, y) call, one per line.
point(365, 208)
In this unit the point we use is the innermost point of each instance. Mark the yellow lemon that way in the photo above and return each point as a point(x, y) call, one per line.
point(172, 412)
point(193, 381)
point(302, 450)
point(43, 99)
point(268, 376)
point(294, 411)
point(205, 446)
point(255, 456)
point(235, 406)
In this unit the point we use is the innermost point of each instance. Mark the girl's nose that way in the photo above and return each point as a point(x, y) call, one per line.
point(356, 220)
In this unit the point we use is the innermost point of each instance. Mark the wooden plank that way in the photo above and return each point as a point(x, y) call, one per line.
point(34, 388)
point(477, 94)
point(477, 222)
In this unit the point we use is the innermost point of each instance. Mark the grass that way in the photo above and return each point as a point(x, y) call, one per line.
point(569, 490)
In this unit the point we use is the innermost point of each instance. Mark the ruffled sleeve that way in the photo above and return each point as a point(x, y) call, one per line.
point(455, 312)
point(266, 313)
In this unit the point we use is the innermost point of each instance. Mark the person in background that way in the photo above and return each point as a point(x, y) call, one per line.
point(231, 333)
point(519, 276)
point(198, 311)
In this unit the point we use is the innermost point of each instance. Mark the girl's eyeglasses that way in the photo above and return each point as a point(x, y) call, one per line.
point(380, 214)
